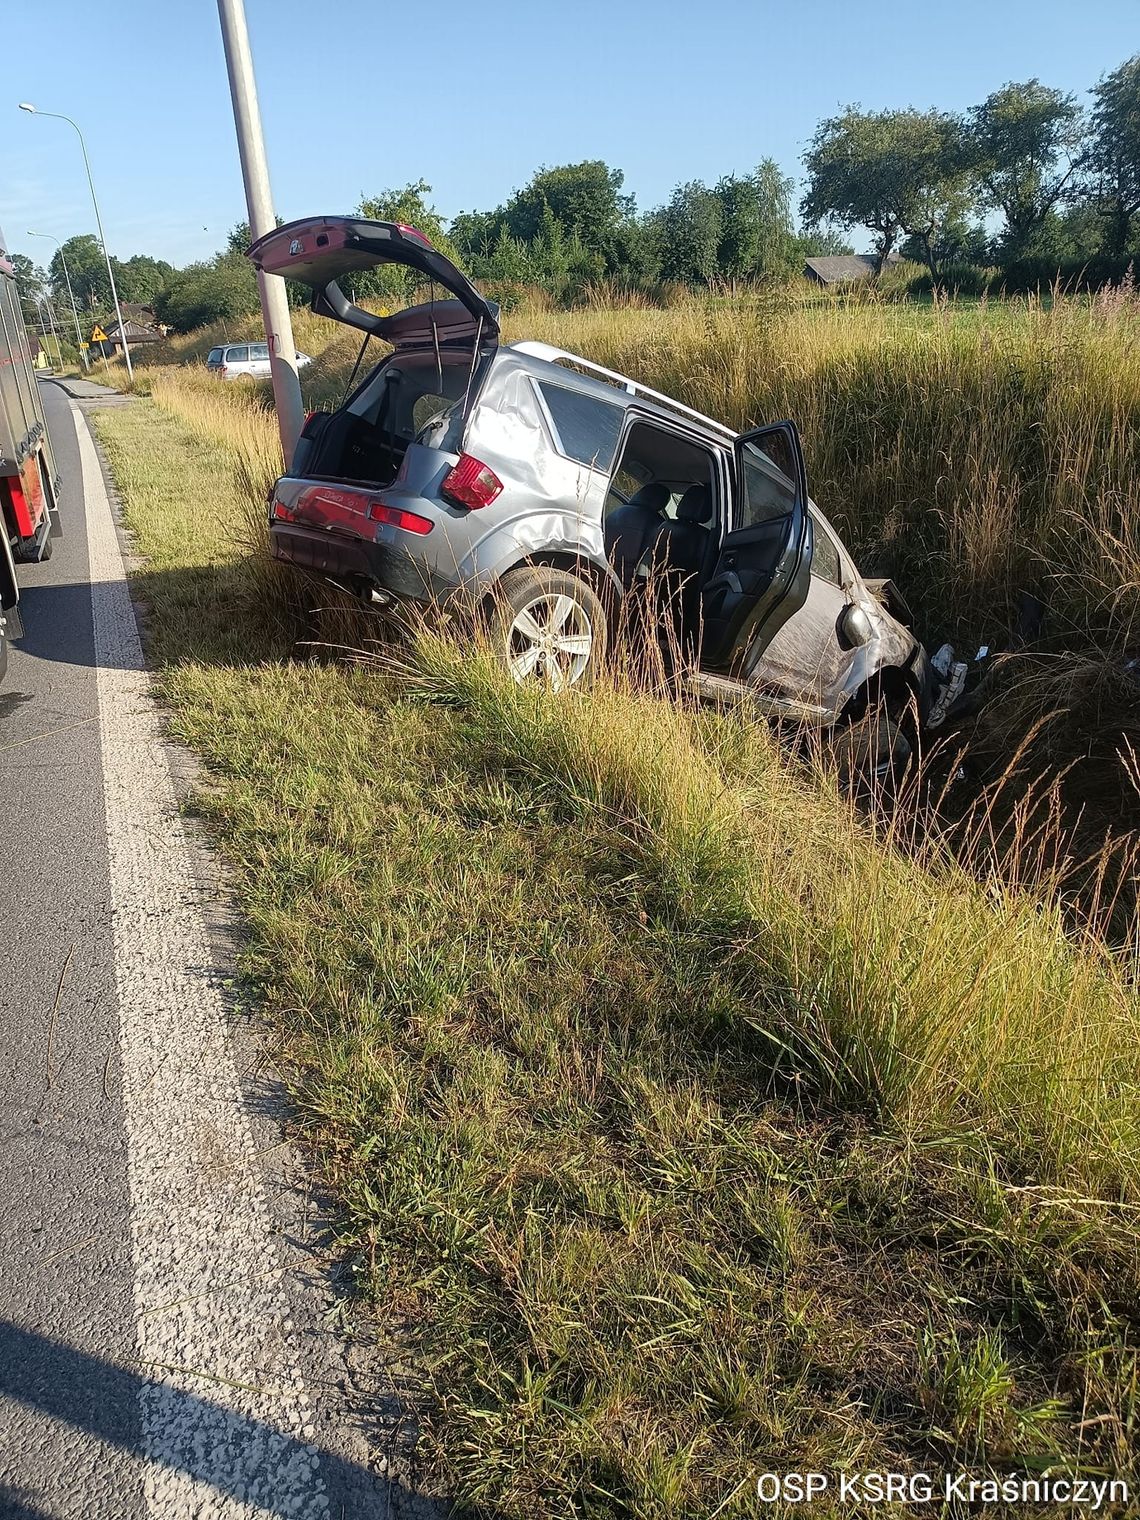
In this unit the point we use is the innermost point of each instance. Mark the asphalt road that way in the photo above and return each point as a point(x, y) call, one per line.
point(160, 1355)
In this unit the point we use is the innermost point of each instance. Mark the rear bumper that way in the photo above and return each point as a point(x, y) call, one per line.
point(356, 562)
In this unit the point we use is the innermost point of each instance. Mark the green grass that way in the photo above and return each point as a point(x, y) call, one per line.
point(687, 1130)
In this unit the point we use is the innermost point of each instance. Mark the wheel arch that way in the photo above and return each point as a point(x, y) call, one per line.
point(894, 682)
point(603, 581)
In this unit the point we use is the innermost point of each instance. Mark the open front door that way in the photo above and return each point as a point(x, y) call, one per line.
point(764, 570)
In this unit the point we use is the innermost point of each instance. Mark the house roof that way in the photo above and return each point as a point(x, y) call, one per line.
point(835, 268)
point(138, 322)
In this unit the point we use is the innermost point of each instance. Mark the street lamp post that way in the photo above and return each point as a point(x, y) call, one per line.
point(70, 295)
point(25, 106)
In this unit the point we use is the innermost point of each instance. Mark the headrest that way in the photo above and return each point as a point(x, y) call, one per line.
point(654, 496)
point(696, 505)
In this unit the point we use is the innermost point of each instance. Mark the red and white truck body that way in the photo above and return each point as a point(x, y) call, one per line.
point(28, 480)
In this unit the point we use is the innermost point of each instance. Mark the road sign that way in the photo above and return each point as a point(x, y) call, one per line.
point(99, 336)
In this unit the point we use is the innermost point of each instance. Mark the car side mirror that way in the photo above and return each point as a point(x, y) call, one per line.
point(855, 626)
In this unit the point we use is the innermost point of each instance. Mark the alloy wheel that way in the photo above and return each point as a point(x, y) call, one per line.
point(550, 639)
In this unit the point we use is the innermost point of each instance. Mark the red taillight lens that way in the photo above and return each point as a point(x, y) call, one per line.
point(414, 232)
point(281, 513)
point(411, 522)
point(471, 483)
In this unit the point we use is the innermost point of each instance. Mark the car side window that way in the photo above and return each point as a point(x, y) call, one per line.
point(237, 355)
point(825, 556)
point(587, 427)
point(766, 491)
point(259, 351)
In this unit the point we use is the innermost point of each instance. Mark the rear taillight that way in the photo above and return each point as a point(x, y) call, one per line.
point(397, 517)
point(281, 513)
point(471, 483)
point(225, 371)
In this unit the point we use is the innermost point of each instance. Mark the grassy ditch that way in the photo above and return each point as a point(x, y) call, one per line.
point(696, 1132)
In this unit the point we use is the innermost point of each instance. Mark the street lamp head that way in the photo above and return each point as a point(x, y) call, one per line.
point(24, 106)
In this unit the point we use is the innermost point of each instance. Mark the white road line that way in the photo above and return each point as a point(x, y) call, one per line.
point(225, 1418)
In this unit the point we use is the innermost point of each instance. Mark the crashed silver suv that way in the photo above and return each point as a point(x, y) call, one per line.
point(545, 490)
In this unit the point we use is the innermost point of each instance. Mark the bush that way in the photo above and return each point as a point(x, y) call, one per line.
point(204, 293)
point(957, 280)
point(1072, 274)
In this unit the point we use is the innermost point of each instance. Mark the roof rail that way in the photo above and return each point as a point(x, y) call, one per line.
point(547, 351)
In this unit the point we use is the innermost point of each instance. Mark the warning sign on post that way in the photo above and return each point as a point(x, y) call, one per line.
point(99, 336)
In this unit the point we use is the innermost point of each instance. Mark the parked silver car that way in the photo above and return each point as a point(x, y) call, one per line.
point(232, 361)
point(544, 489)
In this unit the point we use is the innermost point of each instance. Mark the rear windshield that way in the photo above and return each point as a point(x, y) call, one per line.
point(214, 356)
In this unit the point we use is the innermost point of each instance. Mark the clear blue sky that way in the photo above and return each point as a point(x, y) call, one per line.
point(357, 96)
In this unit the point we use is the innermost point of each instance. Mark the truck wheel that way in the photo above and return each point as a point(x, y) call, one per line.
point(548, 625)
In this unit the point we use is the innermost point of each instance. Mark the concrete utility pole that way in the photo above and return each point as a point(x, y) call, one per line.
point(58, 116)
point(255, 173)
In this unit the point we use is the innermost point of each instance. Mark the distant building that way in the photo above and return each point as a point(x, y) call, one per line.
point(842, 268)
point(139, 327)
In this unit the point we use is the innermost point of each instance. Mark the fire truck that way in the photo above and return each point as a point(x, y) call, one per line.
point(29, 485)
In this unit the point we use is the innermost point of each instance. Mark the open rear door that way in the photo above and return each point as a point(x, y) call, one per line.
point(764, 570)
point(324, 252)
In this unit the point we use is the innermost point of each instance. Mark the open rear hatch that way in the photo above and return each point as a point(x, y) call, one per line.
point(321, 251)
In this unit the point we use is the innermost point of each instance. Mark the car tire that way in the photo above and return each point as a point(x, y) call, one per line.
point(549, 625)
point(876, 748)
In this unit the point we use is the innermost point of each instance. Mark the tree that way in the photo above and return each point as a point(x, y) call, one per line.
point(30, 282)
point(821, 242)
point(1027, 143)
point(585, 198)
point(88, 270)
point(901, 173)
point(475, 233)
point(208, 292)
point(140, 277)
point(410, 207)
point(777, 253)
point(1114, 157)
point(689, 230)
point(935, 175)
point(740, 232)
point(851, 177)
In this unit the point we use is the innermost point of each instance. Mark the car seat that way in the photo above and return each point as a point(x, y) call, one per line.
point(678, 552)
point(680, 544)
point(630, 529)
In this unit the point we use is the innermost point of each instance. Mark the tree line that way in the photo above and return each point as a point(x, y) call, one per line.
point(1027, 182)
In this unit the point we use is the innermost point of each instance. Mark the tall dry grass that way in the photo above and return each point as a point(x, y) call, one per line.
point(692, 1128)
point(976, 453)
point(973, 451)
